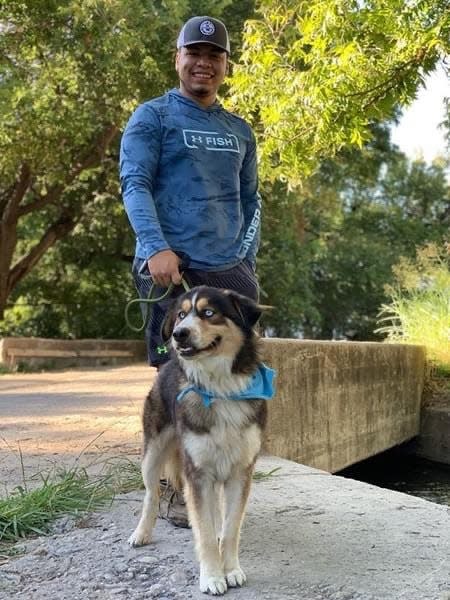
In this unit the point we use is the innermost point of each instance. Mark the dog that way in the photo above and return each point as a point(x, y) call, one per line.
point(203, 422)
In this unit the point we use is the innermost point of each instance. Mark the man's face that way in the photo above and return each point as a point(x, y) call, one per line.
point(201, 69)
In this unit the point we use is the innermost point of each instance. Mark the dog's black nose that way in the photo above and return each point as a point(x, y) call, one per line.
point(181, 334)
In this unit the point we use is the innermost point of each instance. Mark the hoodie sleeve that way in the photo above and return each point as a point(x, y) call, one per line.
point(251, 202)
point(139, 157)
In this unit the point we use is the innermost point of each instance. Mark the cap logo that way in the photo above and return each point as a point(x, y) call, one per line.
point(207, 28)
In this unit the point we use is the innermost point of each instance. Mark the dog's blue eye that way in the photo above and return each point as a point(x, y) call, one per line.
point(208, 312)
point(181, 314)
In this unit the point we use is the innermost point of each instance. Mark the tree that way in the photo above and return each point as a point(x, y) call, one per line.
point(70, 73)
point(314, 75)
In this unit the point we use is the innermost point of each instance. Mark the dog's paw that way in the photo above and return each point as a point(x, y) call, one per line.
point(236, 577)
point(140, 537)
point(213, 585)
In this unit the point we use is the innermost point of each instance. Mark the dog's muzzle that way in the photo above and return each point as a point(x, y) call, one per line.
point(186, 347)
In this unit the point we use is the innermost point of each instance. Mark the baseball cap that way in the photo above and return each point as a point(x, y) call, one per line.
point(204, 30)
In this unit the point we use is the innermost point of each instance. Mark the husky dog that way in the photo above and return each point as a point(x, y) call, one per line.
point(203, 422)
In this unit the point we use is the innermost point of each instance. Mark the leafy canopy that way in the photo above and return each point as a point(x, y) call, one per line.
point(313, 75)
point(71, 72)
point(328, 249)
point(69, 69)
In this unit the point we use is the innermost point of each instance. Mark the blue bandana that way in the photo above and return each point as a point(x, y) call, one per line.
point(261, 387)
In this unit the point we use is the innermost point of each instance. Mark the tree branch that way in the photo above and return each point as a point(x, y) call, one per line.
point(18, 191)
point(391, 82)
point(43, 201)
point(96, 153)
point(91, 159)
point(55, 232)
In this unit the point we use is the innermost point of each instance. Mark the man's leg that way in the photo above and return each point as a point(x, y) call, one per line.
point(241, 279)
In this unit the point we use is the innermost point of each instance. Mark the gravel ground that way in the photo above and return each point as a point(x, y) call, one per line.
point(307, 535)
point(91, 560)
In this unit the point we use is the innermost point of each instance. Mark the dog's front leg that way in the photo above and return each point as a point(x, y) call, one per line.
point(152, 463)
point(236, 491)
point(201, 499)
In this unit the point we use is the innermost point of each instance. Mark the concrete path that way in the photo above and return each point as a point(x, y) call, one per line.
point(307, 535)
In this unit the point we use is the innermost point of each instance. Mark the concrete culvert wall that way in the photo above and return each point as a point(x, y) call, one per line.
point(340, 402)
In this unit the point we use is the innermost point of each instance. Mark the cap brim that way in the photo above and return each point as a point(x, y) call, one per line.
point(204, 42)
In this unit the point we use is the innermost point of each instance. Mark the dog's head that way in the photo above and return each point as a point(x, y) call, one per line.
point(210, 322)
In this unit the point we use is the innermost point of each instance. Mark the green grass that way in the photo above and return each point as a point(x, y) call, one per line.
point(261, 475)
point(71, 492)
point(419, 309)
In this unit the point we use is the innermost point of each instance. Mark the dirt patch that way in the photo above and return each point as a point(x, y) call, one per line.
point(57, 418)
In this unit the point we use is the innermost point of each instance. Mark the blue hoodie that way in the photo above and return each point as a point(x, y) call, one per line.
point(189, 182)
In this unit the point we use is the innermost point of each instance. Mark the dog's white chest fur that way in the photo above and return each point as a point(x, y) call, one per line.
point(229, 443)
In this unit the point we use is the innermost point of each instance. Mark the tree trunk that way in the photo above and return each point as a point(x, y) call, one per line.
point(12, 209)
point(8, 231)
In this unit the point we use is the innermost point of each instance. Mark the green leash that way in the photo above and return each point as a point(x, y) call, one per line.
point(149, 301)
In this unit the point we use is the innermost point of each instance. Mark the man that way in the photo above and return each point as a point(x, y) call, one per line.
point(189, 181)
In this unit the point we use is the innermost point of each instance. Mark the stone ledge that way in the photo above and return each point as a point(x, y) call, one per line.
point(42, 352)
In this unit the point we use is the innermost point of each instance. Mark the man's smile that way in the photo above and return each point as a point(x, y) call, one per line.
point(199, 75)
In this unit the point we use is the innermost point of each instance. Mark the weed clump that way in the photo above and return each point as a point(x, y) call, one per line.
point(419, 307)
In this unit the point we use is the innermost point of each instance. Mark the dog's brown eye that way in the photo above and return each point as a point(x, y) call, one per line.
point(208, 312)
point(181, 314)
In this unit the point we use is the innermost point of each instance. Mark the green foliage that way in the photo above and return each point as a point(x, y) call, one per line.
point(400, 206)
point(80, 286)
point(31, 508)
point(69, 70)
point(328, 249)
point(70, 74)
point(284, 264)
point(313, 75)
point(418, 311)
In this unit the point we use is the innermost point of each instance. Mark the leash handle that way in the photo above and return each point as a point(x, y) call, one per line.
point(148, 302)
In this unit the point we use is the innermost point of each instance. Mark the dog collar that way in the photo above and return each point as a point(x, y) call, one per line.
point(261, 387)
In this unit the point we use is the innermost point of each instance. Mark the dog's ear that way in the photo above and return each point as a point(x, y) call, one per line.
point(248, 310)
point(168, 322)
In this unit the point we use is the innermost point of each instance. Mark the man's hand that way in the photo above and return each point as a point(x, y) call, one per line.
point(163, 268)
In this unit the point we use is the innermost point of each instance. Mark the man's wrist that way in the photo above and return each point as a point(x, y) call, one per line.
point(154, 252)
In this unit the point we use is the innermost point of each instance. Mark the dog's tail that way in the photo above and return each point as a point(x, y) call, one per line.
point(173, 469)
